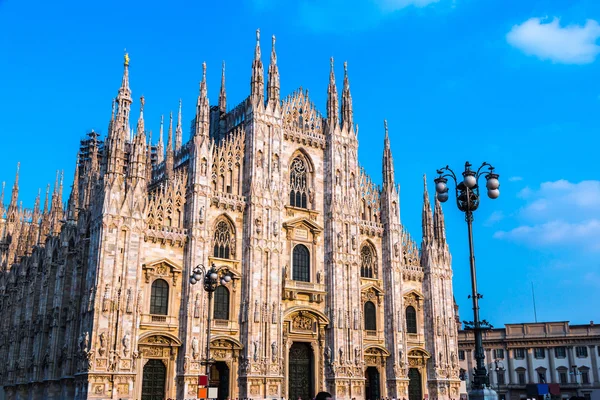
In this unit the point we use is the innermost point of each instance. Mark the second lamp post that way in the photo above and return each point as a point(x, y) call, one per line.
point(211, 278)
point(467, 200)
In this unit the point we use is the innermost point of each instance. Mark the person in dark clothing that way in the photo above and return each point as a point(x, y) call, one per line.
point(324, 396)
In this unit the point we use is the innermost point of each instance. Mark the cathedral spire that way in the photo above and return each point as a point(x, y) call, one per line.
point(427, 218)
point(223, 93)
point(169, 159)
point(73, 204)
point(347, 113)
point(388, 161)
point(332, 100)
point(273, 88)
point(15, 191)
point(257, 87)
point(140, 125)
point(202, 108)
point(439, 224)
point(160, 147)
point(178, 130)
point(124, 97)
point(2, 199)
point(46, 204)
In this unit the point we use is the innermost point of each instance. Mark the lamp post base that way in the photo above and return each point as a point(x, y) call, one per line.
point(483, 394)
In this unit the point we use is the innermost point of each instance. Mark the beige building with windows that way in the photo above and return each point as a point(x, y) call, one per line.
point(537, 353)
point(329, 291)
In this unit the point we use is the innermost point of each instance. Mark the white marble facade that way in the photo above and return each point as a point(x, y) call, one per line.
point(329, 292)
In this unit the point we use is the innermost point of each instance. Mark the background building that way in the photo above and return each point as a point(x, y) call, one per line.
point(329, 292)
point(534, 353)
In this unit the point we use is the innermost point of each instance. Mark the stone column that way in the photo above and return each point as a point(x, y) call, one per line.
point(552, 368)
point(594, 357)
point(491, 369)
point(530, 365)
point(510, 367)
point(469, 355)
point(571, 363)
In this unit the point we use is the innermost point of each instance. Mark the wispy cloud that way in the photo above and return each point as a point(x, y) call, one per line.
point(494, 217)
point(558, 214)
point(548, 40)
point(341, 15)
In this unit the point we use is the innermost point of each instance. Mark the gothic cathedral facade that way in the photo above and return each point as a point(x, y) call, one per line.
point(329, 291)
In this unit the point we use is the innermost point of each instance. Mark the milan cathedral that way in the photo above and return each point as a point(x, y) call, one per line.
point(329, 290)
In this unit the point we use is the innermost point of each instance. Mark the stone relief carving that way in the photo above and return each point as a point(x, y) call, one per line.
point(195, 348)
point(126, 345)
point(106, 299)
point(302, 322)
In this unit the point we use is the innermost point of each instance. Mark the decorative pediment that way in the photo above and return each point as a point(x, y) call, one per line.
point(417, 357)
point(371, 292)
point(225, 342)
point(413, 298)
point(160, 339)
point(377, 350)
point(299, 228)
point(162, 268)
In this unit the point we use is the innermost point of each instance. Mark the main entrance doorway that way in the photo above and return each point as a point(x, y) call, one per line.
point(415, 391)
point(372, 384)
point(153, 382)
point(300, 372)
point(219, 376)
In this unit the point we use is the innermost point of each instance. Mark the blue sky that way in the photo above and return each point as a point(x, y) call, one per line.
point(511, 82)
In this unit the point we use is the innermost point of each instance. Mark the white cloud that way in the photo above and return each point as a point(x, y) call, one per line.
point(515, 179)
point(494, 217)
point(558, 214)
point(572, 44)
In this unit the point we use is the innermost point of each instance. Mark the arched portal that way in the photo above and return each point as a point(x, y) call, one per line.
point(153, 381)
point(415, 391)
point(301, 366)
point(219, 376)
point(372, 387)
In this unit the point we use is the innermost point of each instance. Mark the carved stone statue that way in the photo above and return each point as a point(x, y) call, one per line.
point(102, 339)
point(356, 355)
point(197, 306)
point(311, 196)
point(396, 249)
point(256, 345)
point(201, 215)
point(126, 345)
point(195, 348)
point(328, 355)
point(340, 239)
point(319, 277)
point(356, 323)
point(129, 302)
point(274, 313)
point(256, 312)
point(353, 242)
point(106, 299)
point(273, 351)
point(341, 353)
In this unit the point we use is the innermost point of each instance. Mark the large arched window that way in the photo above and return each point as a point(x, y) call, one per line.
point(301, 263)
point(411, 320)
point(223, 242)
point(298, 183)
point(368, 262)
point(370, 317)
point(221, 310)
point(159, 297)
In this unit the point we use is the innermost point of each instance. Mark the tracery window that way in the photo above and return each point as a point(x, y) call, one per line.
point(159, 297)
point(298, 183)
point(221, 310)
point(370, 317)
point(223, 242)
point(301, 263)
point(411, 320)
point(368, 262)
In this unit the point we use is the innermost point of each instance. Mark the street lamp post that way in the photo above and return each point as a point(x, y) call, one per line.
point(211, 278)
point(467, 200)
point(499, 367)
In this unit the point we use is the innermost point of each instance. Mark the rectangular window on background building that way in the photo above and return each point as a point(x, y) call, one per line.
point(562, 376)
point(539, 352)
point(499, 353)
point(560, 352)
point(521, 376)
point(581, 351)
point(519, 353)
point(461, 355)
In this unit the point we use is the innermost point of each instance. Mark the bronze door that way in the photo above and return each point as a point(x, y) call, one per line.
point(153, 383)
point(372, 386)
point(414, 385)
point(300, 372)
